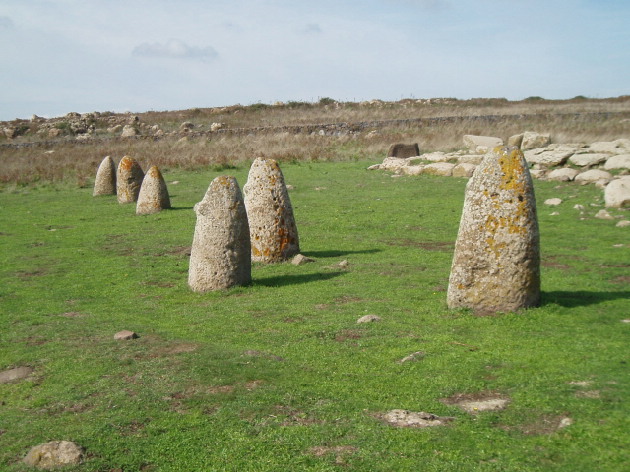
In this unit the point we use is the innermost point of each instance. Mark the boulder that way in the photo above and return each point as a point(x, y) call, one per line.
point(472, 142)
point(153, 196)
point(470, 159)
point(564, 174)
point(54, 454)
point(619, 146)
point(549, 157)
point(593, 175)
point(412, 170)
point(496, 264)
point(444, 169)
point(105, 182)
point(216, 126)
point(273, 231)
point(464, 170)
point(533, 140)
point(403, 150)
point(620, 161)
point(617, 193)
point(129, 131)
point(220, 256)
point(515, 140)
point(437, 156)
point(590, 159)
point(128, 180)
point(393, 163)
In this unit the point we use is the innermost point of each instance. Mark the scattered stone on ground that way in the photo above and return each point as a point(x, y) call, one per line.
point(128, 180)
point(403, 150)
point(579, 207)
point(125, 335)
point(273, 231)
point(153, 196)
point(411, 419)
point(623, 224)
point(478, 402)
point(129, 131)
point(473, 142)
point(343, 264)
point(593, 175)
point(439, 168)
point(564, 174)
point(54, 454)
point(414, 356)
point(588, 160)
point(220, 255)
point(625, 321)
point(553, 201)
point(617, 193)
point(301, 259)
point(15, 374)
point(105, 182)
point(532, 140)
point(620, 161)
point(603, 215)
point(369, 319)
point(499, 212)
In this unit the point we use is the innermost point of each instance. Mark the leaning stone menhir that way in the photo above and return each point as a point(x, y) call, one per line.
point(221, 252)
point(153, 196)
point(273, 231)
point(105, 182)
point(496, 265)
point(128, 180)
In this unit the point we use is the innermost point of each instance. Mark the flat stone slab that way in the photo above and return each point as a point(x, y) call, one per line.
point(125, 335)
point(18, 373)
point(411, 419)
point(477, 403)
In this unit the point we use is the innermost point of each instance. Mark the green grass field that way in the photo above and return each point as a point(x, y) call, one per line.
point(278, 376)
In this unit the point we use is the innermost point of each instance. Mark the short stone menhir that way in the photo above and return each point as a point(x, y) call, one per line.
point(153, 196)
point(273, 231)
point(105, 182)
point(496, 265)
point(129, 178)
point(220, 256)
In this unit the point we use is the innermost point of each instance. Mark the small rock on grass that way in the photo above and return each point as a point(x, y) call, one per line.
point(369, 319)
point(301, 260)
point(623, 224)
point(553, 201)
point(411, 419)
point(18, 373)
point(125, 334)
point(416, 356)
point(54, 454)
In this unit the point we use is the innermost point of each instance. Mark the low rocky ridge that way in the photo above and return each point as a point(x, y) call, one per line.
point(605, 164)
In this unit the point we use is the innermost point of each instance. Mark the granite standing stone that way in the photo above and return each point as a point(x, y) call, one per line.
point(496, 265)
point(105, 182)
point(153, 196)
point(221, 251)
point(273, 231)
point(128, 180)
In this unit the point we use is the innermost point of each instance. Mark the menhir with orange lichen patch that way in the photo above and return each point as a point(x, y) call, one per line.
point(496, 264)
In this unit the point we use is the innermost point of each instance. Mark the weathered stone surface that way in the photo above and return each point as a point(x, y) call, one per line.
point(129, 131)
point(105, 182)
point(565, 174)
point(54, 454)
point(393, 163)
point(549, 158)
point(620, 161)
point(623, 224)
point(437, 156)
point(444, 169)
point(369, 319)
point(153, 196)
point(412, 170)
point(274, 235)
point(620, 146)
point(301, 259)
point(553, 201)
point(532, 140)
point(617, 193)
point(125, 335)
point(464, 170)
point(470, 159)
point(221, 252)
point(472, 142)
point(538, 173)
point(593, 175)
point(603, 215)
point(496, 265)
point(18, 373)
point(128, 180)
point(589, 159)
point(515, 141)
point(403, 150)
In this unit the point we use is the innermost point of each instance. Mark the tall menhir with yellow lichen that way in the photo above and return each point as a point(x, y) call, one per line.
point(272, 227)
point(496, 265)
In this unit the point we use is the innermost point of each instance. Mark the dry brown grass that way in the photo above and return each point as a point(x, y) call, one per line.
point(69, 160)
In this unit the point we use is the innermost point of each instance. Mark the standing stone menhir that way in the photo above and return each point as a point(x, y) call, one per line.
point(221, 252)
point(128, 180)
point(153, 196)
point(105, 182)
point(496, 265)
point(273, 231)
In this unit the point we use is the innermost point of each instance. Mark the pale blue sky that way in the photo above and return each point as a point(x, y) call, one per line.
point(59, 56)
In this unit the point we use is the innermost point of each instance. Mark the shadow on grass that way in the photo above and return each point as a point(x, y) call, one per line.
point(334, 253)
point(180, 208)
point(282, 280)
point(581, 297)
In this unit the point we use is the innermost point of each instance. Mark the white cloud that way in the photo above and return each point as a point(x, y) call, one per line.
point(175, 49)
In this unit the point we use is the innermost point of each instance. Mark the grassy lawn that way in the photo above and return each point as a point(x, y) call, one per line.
point(279, 376)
